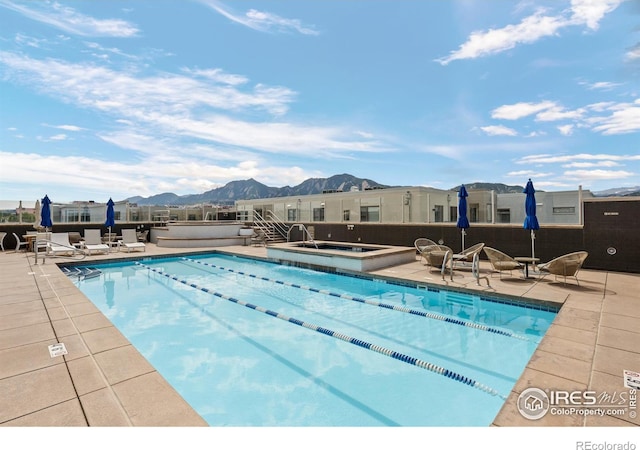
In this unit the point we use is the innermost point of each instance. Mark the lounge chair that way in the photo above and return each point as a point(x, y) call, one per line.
point(59, 244)
point(468, 254)
point(130, 241)
point(566, 265)
point(420, 245)
point(93, 242)
point(500, 261)
point(40, 244)
point(2, 236)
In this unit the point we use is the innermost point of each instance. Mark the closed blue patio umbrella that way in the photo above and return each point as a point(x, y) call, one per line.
point(531, 221)
point(45, 214)
point(111, 216)
point(463, 222)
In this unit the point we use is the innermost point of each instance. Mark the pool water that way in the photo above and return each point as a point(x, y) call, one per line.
point(275, 345)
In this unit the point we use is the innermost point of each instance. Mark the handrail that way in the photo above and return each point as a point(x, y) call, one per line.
point(38, 242)
point(301, 227)
point(475, 270)
point(448, 256)
point(272, 222)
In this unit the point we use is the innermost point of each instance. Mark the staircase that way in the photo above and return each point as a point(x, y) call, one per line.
point(274, 229)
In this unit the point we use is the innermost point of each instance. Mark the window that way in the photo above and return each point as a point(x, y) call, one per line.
point(346, 214)
point(453, 213)
point(85, 216)
point(318, 214)
point(473, 212)
point(503, 215)
point(291, 215)
point(369, 214)
point(564, 209)
point(72, 215)
point(438, 212)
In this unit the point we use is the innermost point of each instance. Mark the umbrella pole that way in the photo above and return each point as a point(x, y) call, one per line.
point(533, 247)
point(463, 233)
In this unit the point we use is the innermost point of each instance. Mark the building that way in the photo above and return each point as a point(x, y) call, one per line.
point(414, 205)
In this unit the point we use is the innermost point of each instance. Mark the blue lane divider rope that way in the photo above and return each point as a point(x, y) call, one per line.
point(360, 343)
point(399, 308)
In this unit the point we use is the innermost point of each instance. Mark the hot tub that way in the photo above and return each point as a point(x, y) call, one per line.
point(355, 257)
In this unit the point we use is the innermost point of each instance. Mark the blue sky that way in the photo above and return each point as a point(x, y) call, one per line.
point(115, 99)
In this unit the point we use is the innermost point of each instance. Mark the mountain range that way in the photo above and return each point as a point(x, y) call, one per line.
point(250, 189)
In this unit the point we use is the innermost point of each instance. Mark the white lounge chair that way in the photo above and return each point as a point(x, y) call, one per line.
point(130, 241)
point(59, 244)
point(93, 242)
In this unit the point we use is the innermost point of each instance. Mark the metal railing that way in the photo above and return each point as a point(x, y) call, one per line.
point(305, 234)
point(272, 223)
point(44, 243)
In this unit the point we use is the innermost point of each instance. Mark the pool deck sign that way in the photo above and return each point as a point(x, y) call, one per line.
point(57, 350)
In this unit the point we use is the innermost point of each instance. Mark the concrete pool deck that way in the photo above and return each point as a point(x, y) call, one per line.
point(105, 381)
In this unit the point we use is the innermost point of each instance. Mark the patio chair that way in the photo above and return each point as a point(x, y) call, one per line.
point(468, 254)
point(130, 241)
point(59, 244)
point(437, 256)
point(2, 236)
point(19, 243)
point(420, 245)
point(93, 242)
point(566, 265)
point(259, 238)
point(501, 262)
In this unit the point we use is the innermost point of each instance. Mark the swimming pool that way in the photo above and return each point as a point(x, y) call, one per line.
point(252, 343)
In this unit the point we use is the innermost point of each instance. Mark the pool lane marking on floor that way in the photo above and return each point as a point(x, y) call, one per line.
point(358, 342)
point(399, 308)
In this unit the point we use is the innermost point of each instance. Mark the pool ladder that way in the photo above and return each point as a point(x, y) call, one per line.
point(305, 234)
point(475, 267)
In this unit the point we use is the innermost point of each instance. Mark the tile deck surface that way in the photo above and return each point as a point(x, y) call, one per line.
point(104, 381)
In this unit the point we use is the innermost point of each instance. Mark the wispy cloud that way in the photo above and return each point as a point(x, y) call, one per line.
point(261, 20)
point(520, 110)
point(64, 127)
point(71, 21)
point(177, 105)
point(591, 12)
point(499, 130)
point(600, 85)
point(483, 43)
point(633, 54)
point(597, 174)
point(531, 29)
point(610, 118)
point(589, 167)
point(552, 159)
point(624, 118)
point(566, 130)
